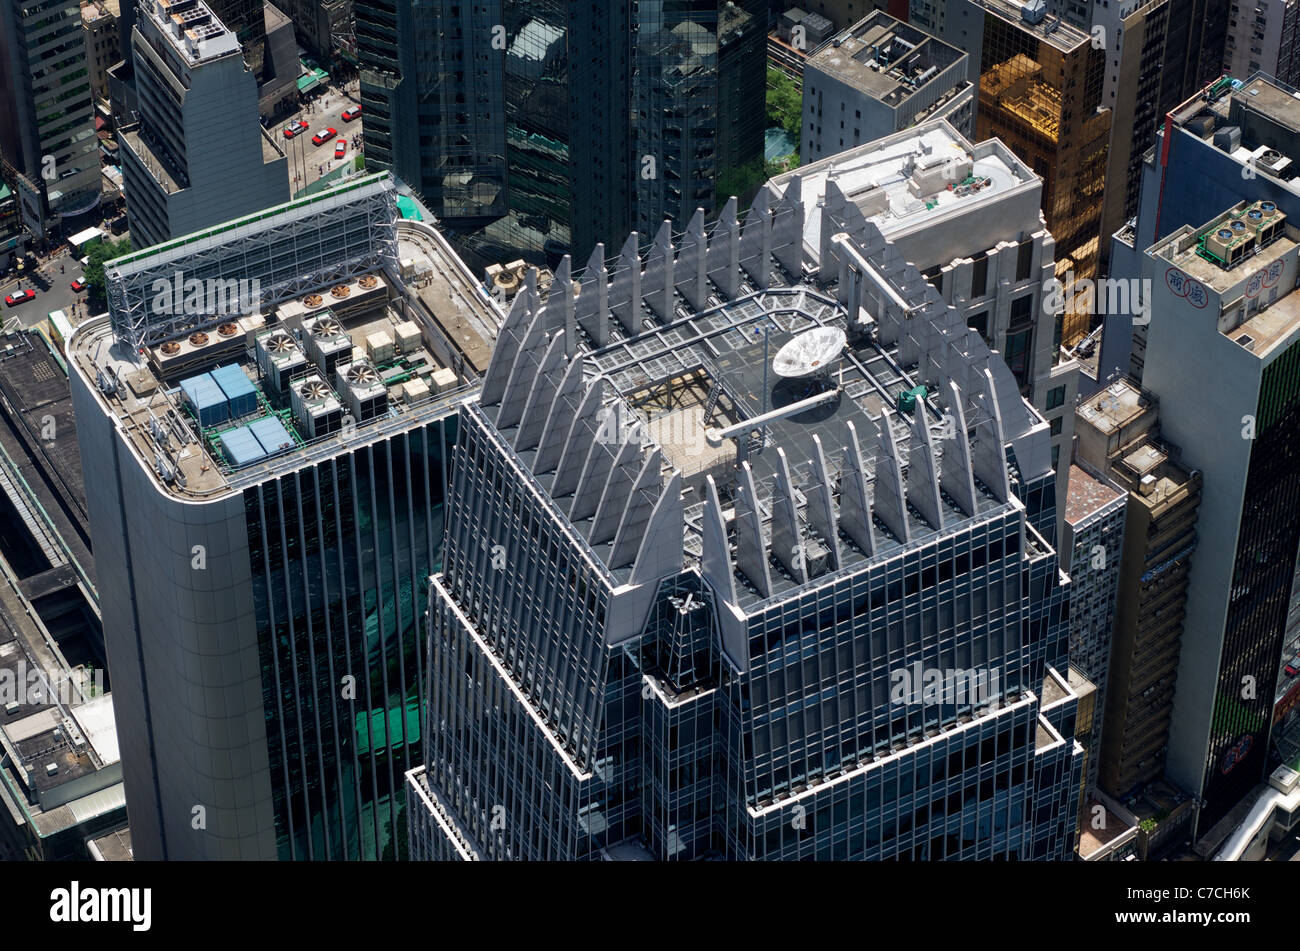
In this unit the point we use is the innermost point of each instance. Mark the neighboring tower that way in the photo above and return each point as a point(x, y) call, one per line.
point(1093, 536)
point(197, 156)
point(99, 18)
point(48, 130)
point(716, 596)
point(1230, 142)
point(1040, 92)
point(981, 243)
point(1118, 436)
point(245, 19)
point(534, 129)
point(877, 78)
point(1223, 356)
point(1262, 38)
point(266, 511)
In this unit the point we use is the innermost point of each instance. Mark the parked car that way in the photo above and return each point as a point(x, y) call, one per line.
point(78, 285)
point(20, 297)
point(1293, 668)
point(340, 148)
point(350, 114)
point(324, 135)
point(296, 127)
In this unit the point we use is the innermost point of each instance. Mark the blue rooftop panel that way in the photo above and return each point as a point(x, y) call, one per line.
point(241, 447)
point(210, 404)
point(272, 435)
point(239, 389)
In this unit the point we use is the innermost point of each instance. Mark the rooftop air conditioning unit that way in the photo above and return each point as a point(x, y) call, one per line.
point(280, 359)
point(327, 342)
point(365, 392)
point(316, 408)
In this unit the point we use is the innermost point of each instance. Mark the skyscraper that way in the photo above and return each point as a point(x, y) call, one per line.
point(266, 509)
point(1118, 436)
point(49, 129)
point(708, 591)
point(1223, 354)
point(1040, 92)
point(538, 128)
point(197, 155)
point(989, 255)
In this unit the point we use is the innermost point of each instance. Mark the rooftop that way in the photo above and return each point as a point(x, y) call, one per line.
point(739, 406)
point(885, 59)
point(1110, 410)
point(1256, 121)
point(1086, 495)
point(910, 179)
point(223, 406)
point(1239, 255)
point(1049, 28)
point(192, 29)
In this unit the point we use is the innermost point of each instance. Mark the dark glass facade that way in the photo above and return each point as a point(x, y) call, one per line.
point(547, 741)
point(536, 128)
point(1261, 591)
point(246, 19)
point(340, 554)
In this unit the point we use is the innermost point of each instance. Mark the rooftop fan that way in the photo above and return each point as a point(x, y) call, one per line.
point(228, 329)
point(281, 343)
point(361, 373)
point(171, 347)
point(198, 339)
point(327, 327)
point(314, 390)
point(368, 281)
point(313, 300)
point(340, 290)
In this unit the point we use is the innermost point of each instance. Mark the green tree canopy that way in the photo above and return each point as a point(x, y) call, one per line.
point(94, 271)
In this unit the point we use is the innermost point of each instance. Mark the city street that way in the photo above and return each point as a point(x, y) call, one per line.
point(52, 291)
point(306, 159)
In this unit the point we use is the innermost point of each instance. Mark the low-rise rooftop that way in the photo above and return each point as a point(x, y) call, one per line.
point(885, 58)
point(912, 178)
point(1086, 495)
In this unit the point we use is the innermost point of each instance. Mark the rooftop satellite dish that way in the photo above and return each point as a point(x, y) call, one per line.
point(809, 354)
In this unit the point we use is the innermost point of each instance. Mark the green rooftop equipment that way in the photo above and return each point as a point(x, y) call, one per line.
point(907, 399)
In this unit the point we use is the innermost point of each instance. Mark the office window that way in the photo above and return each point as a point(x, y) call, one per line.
point(1055, 397)
point(1024, 260)
point(979, 277)
point(1056, 425)
point(1021, 311)
point(980, 324)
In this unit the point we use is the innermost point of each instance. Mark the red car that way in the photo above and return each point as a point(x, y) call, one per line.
point(1293, 668)
point(78, 285)
point(324, 135)
point(20, 297)
point(340, 148)
point(296, 127)
point(350, 114)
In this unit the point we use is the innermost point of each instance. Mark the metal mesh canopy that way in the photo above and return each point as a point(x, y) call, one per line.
point(283, 252)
